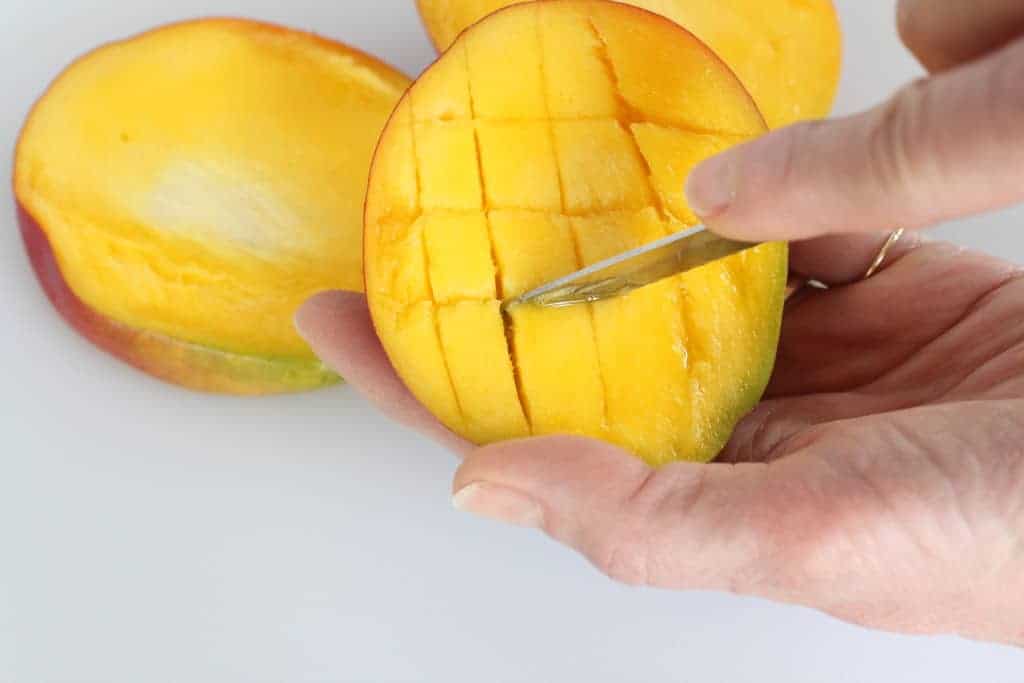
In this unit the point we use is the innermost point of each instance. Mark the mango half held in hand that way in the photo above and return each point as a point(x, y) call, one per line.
point(550, 136)
point(786, 52)
point(182, 192)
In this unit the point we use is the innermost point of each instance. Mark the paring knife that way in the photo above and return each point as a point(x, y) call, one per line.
point(677, 253)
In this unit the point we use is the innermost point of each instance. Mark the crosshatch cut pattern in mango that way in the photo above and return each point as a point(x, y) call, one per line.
point(550, 136)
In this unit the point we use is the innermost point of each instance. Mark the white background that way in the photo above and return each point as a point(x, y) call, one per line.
point(150, 534)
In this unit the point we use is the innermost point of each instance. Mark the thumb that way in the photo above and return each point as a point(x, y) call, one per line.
point(942, 148)
point(683, 526)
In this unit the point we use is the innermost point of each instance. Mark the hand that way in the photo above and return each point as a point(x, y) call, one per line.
point(882, 479)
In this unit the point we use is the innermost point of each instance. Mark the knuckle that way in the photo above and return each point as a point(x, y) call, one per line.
point(1004, 94)
point(934, 131)
point(929, 33)
point(779, 549)
point(897, 137)
point(801, 543)
point(637, 549)
point(909, 22)
point(804, 562)
point(794, 153)
point(781, 162)
point(623, 557)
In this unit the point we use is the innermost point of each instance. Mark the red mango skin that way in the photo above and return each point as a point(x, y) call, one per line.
point(193, 366)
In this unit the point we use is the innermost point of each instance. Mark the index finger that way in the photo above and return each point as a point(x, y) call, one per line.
point(943, 148)
point(337, 326)
point(945, 34)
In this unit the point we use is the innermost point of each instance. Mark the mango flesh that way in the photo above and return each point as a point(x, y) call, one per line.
point(787, 53)
point(550, 136)
point(191, 186)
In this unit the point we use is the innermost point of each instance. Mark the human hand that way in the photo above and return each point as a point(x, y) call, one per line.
point(882, 479)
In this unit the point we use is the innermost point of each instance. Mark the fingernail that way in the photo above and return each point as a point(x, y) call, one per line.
point(297, 323)
point(711, 187)
point(306, 312)
point(499, 503)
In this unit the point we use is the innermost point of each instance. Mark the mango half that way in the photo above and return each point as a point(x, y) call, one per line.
point(183, 191)
point(549, 136)
point(786, 52)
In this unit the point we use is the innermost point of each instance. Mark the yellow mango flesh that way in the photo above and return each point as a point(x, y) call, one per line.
point(201, 180)
point(787, 53)
point(479, 193)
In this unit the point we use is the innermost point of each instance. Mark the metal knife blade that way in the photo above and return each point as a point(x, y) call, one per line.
point(631, 270)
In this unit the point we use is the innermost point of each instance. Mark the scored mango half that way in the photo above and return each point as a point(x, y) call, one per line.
point(183, 191)
point(786, 52)
point(550, 136)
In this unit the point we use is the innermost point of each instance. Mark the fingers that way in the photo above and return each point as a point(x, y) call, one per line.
point(847, 338)
point(682, 526)
point(946, 33)
point(906, 337)
point(943, 148)
point(843, 259)
point(337, 326)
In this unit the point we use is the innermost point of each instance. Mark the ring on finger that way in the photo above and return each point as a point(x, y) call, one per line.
point(879, 261)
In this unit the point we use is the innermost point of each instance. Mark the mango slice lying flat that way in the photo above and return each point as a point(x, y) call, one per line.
point(182, 192)
point(786, 52)
point(550, 136)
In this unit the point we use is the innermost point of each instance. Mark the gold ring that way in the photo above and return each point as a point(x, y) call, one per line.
point(894, 237)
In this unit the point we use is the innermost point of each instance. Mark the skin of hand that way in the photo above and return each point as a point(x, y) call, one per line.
point(882, 478)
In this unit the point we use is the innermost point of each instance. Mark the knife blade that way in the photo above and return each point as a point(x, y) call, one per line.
point(631, 270)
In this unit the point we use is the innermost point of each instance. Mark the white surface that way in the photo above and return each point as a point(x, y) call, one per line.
point(149, 534)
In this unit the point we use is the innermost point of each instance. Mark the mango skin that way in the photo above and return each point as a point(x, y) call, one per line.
point(160, 313)
point(787, 53)
point(484, 185)
point(193, 366)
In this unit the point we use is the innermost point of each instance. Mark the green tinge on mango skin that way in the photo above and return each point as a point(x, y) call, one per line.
point(209, 369)
point(193, 366)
